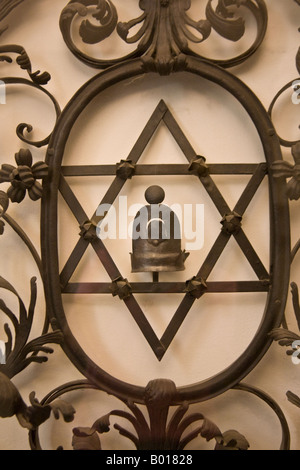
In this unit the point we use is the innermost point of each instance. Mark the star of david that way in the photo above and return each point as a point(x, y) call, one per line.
point(199, 285)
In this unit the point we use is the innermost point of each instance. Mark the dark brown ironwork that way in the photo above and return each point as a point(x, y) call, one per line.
point(160, 433)
point(164, 38)
point(278, 282)
point(165, 33)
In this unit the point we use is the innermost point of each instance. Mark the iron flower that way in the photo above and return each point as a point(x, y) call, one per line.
point(23, 177)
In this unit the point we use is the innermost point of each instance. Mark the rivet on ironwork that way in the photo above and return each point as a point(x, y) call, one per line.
point(121, 287)
point(125, 169)
point(88, 231)
point(196, 287)
point(231, 223)
point(199, 167)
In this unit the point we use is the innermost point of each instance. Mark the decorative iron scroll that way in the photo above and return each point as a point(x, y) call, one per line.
point(163, 32)
point(166, 30)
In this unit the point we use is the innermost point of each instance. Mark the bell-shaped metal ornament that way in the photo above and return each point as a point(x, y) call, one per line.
point(156, 238)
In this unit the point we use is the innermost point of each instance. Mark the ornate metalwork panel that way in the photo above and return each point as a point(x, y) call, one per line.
point(160, 414)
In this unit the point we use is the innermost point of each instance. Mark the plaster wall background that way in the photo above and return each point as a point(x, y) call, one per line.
point(219, 327)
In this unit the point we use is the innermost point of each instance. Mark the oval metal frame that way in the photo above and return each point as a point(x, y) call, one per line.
point(279, 243)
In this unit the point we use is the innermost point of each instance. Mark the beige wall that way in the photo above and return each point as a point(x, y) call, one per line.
point(219, 328)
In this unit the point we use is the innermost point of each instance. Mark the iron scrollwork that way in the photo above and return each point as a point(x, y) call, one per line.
point(164, 36)
point(37, 81)
point(166, 30)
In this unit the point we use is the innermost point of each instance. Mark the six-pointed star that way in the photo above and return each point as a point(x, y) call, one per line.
point(198, 285)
